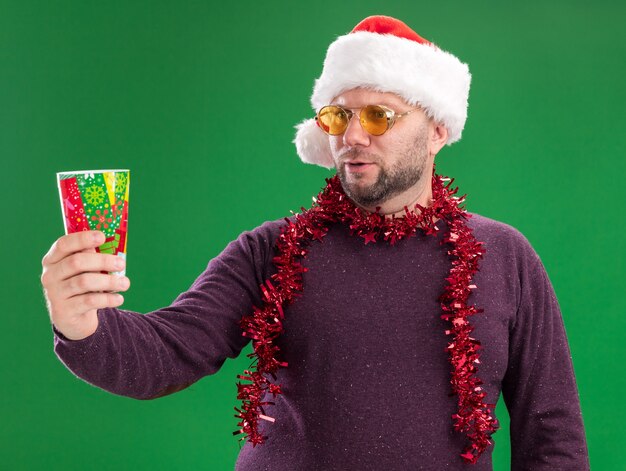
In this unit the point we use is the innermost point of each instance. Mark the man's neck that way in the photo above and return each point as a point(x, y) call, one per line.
point(422, 194)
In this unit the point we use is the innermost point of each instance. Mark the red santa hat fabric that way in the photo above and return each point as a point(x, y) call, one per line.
point(383, 54)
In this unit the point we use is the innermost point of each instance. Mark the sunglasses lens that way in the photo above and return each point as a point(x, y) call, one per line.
point(374, 120)
point(333, 120)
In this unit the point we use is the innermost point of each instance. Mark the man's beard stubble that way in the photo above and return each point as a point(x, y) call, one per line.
point(403, 175)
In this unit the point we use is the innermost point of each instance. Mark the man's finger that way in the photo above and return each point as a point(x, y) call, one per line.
point(72, 243)
point(79, 263)
point(86, 301)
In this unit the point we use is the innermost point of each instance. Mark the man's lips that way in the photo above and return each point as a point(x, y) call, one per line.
point(357, 166)
point(357, 161)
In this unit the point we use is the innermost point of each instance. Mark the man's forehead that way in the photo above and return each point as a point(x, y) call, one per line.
point(359, 96)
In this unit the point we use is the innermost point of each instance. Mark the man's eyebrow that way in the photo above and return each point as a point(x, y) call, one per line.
point(382, 102)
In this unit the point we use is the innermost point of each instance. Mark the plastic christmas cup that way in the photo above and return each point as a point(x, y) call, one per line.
point(97, 200)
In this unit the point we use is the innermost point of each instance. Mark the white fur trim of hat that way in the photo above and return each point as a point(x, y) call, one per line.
point(383, 54)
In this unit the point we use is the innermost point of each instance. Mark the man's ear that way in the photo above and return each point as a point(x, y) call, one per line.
point(438, 135)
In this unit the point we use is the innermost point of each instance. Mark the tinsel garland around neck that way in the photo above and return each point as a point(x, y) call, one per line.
point(332, 205)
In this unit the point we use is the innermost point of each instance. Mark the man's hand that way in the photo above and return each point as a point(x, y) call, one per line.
point(73, 285)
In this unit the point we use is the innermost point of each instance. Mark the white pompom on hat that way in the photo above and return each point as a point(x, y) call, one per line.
point(383, 54)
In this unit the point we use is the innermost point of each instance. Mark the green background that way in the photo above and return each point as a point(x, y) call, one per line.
point(199, 100)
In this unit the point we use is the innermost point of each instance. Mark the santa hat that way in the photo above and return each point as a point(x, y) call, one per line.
point(383, 54)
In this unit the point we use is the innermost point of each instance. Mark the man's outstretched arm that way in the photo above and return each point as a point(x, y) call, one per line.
point(164, 351)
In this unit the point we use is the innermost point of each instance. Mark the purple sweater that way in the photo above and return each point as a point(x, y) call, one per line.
point(368, 381)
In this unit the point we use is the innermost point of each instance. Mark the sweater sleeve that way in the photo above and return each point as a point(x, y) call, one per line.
point(164, 351)
point(539, 387)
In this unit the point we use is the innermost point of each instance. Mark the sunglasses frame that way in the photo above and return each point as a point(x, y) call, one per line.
point(392, 116)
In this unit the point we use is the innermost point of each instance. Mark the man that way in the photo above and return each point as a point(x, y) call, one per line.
point(385, 320)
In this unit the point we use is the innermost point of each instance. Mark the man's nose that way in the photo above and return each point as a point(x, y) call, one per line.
point(355, 135)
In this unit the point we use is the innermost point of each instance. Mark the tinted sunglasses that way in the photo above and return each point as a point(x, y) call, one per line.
point(375, 119)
